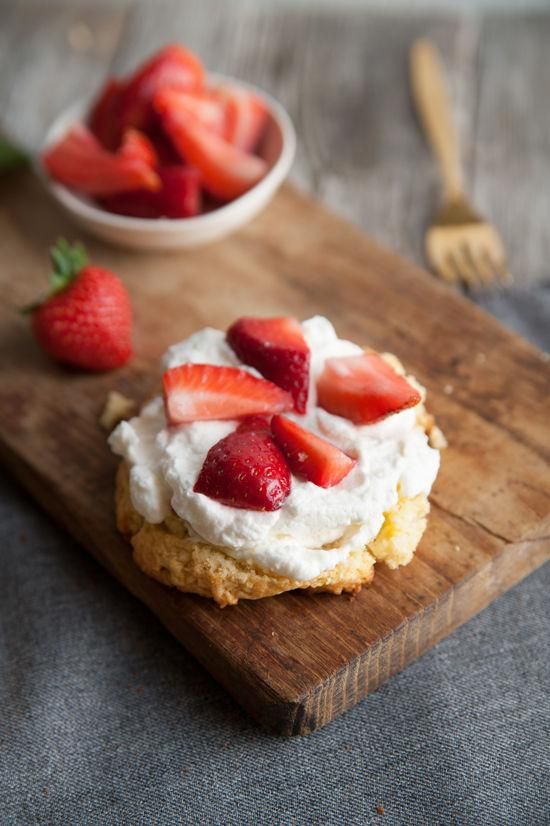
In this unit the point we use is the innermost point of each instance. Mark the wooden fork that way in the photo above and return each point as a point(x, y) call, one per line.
point(460, 245)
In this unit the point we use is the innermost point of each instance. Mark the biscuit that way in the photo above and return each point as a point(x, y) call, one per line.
point(168, 554)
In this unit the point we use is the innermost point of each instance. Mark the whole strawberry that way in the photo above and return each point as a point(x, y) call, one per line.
point(86, 320)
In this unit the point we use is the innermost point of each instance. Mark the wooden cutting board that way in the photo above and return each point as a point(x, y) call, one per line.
point(294, 661)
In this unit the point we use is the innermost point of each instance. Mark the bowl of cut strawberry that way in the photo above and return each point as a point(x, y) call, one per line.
point(168, 157)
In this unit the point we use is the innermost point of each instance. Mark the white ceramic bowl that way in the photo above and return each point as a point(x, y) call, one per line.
point(277, 148)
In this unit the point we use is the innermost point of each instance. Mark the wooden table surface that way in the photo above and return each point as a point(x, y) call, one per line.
point(342, 74)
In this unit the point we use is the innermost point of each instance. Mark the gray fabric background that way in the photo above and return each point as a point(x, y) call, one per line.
point(104, 719)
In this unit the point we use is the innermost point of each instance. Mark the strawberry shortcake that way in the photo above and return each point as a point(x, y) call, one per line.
point(278, 457)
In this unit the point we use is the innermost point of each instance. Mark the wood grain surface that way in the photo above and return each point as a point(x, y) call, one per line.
point(342, 74)
point(293, 661)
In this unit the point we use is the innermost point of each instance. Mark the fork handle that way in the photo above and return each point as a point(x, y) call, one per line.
point(432, 102)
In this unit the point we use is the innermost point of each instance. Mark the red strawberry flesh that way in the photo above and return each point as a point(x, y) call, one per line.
point(194, 392)
point(79, 161)
point(205, 106)
point(245, 117)
point(136, 145)
point(104, 117)
point(179, 197)
point(309, 455)
point(173, 66)
point(245, 470)
point(363, 389)
point(254, 424)
point(227, 172)
point(276, 347)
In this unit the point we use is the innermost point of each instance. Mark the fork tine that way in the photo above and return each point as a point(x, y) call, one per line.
point(495, 268)
point(454, 265)
point(503, 274)
point(487, 275)
point(466, 266)
point(494, 251)
point(440, 264)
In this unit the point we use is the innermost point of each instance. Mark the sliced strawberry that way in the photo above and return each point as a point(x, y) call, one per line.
point(309, 455)
point(179, 197)
point(165, 149)
point(277, 348)
point(245, 470)
point(80, 162)
point(245, 117)
point(204, 107)
point(235, 114)
point(137, 146)
point(203, 391)
point(181, 191)
point(104, 117)
point(226, 171)
point(172, 66)
point(364, 389)
point(254, 424)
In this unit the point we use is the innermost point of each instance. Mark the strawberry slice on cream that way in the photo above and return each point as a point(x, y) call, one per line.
point(277, 348)
point(247, 470)
point(364, 389)
point(309, 455)
point(201, 392)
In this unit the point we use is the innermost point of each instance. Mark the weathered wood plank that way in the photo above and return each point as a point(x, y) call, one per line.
point(342, 73)
point(511, 150)
point(54, 55)
point(361, 136)
point(294, 661)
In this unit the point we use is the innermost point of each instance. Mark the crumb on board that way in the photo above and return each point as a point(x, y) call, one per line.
point(117, 407)
point(448, 389)
point(435, 435)
point(436, 438)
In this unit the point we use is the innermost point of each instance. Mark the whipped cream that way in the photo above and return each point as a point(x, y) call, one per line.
point(165, 462)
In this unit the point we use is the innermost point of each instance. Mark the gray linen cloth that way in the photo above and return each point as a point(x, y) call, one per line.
point(104, 719)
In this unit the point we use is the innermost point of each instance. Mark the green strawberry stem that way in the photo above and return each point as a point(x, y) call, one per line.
point(67, 261)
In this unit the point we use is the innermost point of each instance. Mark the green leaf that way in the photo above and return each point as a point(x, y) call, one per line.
point(11, 156)
point(67, 261)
